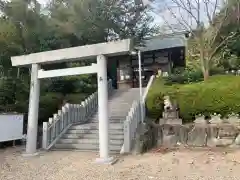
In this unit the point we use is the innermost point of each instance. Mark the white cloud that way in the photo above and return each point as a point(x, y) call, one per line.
point(43, 1)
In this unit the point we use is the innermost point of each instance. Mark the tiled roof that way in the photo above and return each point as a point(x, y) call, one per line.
point(164, 42)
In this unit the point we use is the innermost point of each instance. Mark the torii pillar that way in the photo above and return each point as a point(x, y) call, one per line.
point(32, 129)
point(103, 110)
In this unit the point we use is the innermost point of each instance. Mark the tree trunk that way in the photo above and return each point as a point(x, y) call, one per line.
point(203, 60)
point(204, 66)
point(206, 74)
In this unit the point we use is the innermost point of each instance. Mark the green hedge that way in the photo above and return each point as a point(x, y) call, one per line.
point(52, 102)
point(75, 98)
point(49, 104)
point(220, 94)
point(186, 75)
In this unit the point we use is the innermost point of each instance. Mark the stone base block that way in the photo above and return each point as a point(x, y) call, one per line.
point(109, 160)
point(197, 137)
point(30, 155)
point(223, 142)
point(170, 141)
point(174, 121)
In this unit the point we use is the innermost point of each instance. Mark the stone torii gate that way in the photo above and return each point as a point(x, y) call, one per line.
point(100, 51)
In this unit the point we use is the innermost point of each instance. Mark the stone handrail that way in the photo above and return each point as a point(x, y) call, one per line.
point(69, 114)
point(130, 125)
point(148, 87)
point(133, 119)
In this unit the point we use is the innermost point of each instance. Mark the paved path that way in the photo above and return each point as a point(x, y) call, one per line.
point(179, 165)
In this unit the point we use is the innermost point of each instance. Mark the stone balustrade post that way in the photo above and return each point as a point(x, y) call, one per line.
point(64, 115)
point(83, 111)
point(86, 107)
point(79, 112)
point(51, 130)
point(127, 135)
point(67, 107)
point(75, 113)
point(54, 125)
point(59, 123)
point(45, 137)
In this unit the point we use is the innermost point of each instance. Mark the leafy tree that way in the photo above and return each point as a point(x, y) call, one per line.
point(205, 21)
point(229, 54)
point(94, 21)
point(25, 27)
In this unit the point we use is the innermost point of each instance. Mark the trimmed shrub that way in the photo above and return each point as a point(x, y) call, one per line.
point(154, 102)
point(184, 76)
point(52, 102)
point(76, 98)
point(220, 94)
point(217, 71)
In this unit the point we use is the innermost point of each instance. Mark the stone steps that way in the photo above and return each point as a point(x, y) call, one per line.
point(111, 152)
point(116, 114)
point(112, 126)
point(112, 117)
point(89, 131)
point(85, 137)
point(88, 141)
point(88, 147)
point(91, 136)
point(111, 121)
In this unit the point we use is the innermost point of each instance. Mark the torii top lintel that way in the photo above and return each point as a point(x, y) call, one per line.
point(113, 48)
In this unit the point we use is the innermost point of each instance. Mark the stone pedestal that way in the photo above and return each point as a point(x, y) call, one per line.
point(197, 136)
point(170, 117)
point(170, 114)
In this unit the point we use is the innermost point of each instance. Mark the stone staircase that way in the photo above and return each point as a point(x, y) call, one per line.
point(85, 137)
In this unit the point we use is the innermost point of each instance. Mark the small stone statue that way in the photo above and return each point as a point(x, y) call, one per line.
point(170, 114)
point(233, 119)
point(165, 74)
point(238, 72)
point(216, 119)
point(167, 103)
point(200, 119)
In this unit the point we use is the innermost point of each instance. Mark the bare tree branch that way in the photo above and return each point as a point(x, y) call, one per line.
point(168, 24)
point(205, 33)
point(215, 8)
point(206, 3)
point(182, 21)
point(210, 15)
point(217, 28)
point(219, 46)
point(181, 4)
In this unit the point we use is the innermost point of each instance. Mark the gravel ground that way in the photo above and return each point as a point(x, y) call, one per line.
point(175, 165)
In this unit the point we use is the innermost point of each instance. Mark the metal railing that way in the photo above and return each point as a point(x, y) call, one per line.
point(69, 114)
point(133, 119)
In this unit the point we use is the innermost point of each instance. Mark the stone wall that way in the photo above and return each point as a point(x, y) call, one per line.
point(170, 132)
point(198, 135)
point(215, 132)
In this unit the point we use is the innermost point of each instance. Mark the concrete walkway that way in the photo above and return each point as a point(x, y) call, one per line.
point(179, 165)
